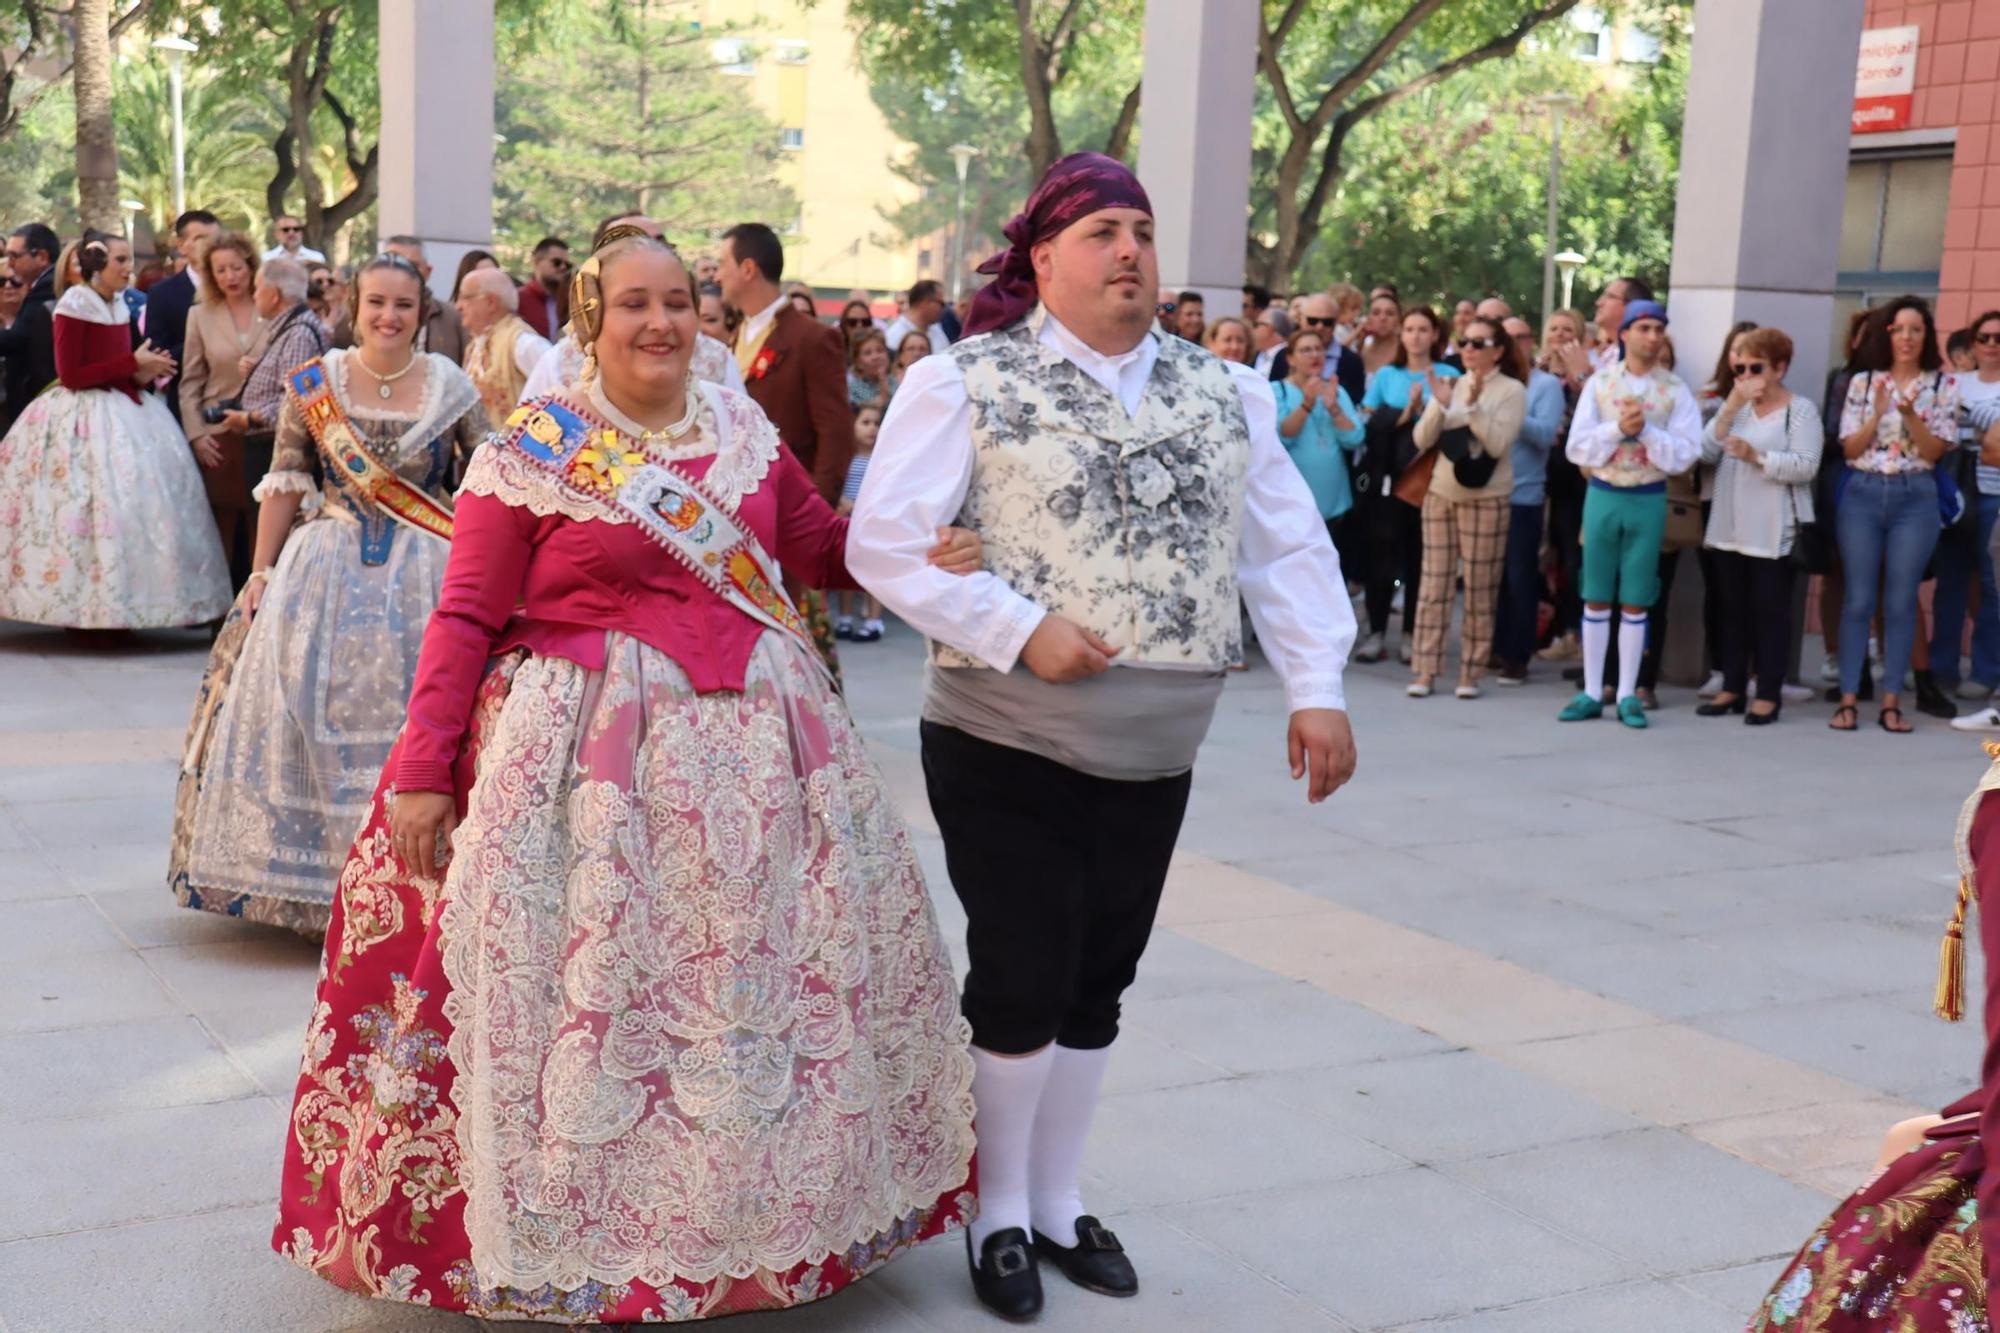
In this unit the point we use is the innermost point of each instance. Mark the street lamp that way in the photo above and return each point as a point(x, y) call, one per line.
point(1569, 261)
point(1557, 103)
point(178, 49)
point(961, 157)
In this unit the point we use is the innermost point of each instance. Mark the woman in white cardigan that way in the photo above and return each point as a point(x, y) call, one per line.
point(1764, 444)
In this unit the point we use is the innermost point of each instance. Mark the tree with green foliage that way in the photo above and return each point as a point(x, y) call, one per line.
point(1445, 193)
point(228, 144)
point(41, 59)
point(622, 108)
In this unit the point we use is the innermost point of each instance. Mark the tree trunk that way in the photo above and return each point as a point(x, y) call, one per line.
point(96, 140)
point(1043, 144)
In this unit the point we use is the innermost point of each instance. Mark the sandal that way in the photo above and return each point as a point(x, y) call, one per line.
point(1853, 718)
point(1901, 728)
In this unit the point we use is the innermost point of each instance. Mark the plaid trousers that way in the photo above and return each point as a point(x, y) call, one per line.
point(1475, 530)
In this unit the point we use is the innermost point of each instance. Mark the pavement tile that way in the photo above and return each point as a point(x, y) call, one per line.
point(1583, 858)
point(1679, 977)
point(1445, 1107)
point(256, 996)
point(1741, 1288)
point(117, 1067)
point(1185, 1283)
point(1830, 1148)
point(1144, 1062)
point(69, 778)
point(26, 873)
point(87, 869)
point(133, 1166)
point(118, 821)
point(1176, 965)
point(47, 929)
point(1656, 1197)
point(1278, 1025)
point(1900, 1052)
point(1349, 1246)
point(213, 1272)
point(42, 995)
point(1647, 1071)
point(149, 918)
point(1640, 1307)
point(1151, 1145)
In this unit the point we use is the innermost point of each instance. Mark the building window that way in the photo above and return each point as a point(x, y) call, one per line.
point(1592, 41)
point(791, 139)
point(733, 56)
point(1891, 231)
point(793, 53)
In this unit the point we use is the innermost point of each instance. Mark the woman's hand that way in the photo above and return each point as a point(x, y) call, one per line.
point(208, 449)
point(1883, 396)
point(415, 820)
point(1473, 384)
point(253, 595)
point(151, 364)
point(1989, 446)
point(1739, 448)
point(236, 421)
point(244, 365)
point(959, 551)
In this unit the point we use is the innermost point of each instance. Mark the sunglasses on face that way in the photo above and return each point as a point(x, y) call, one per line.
point(1483, 344)
point(1748, 367)
point(12, 282)
point(1987, 339)
point(857, 323)
point(558, 263)
point(1319, 321)
point(287, 231)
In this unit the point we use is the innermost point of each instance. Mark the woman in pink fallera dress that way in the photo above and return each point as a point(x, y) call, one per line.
point(670, 1032)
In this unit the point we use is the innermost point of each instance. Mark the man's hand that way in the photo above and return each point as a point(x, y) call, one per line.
point(1631, 419)
point(236, 421)
point(1060, 651)
point(1322, 744)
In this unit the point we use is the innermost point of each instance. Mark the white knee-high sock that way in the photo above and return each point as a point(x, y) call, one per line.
point(1596, 645)
point(1631, 648)
point(1005, 1092)
point(1062, 1126)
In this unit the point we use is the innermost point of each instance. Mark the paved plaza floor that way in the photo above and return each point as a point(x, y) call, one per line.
point(1534, 1027)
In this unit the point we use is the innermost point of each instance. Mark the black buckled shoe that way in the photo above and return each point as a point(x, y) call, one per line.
point(1004, 1277)
point(1096, 1262)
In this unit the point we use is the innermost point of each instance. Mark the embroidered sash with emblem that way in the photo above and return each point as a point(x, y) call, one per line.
point(360, 474)
point(590, 460)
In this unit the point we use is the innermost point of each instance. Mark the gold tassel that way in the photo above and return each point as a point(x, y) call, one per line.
point(1949, 1003)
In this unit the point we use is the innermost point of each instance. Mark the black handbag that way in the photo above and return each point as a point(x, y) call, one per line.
point(1473, 470)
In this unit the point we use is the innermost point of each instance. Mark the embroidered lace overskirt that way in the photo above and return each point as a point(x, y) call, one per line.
point(103, 520)
point(676, 1037)
point(1899, 1255)
point(307, 720)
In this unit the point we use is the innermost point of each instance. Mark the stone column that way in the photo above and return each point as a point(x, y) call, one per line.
point(437, 128)
point(1194, 146)
point(1763, 178)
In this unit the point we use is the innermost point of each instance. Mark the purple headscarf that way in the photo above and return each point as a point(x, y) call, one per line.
point(1074, 188)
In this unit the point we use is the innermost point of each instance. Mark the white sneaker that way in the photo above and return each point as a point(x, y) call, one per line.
point(1403, 652)
point(1798, 694)
point(1467, 692)
point(1417, 689)
point(1710, 687)
point(1974, 691)
point(1369, 649)
point(1986, 719)
point(1829, 670)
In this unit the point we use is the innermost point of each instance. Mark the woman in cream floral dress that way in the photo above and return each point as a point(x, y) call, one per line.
point(300, 705)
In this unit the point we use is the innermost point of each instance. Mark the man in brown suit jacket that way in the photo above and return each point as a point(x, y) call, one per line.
point(793, 365)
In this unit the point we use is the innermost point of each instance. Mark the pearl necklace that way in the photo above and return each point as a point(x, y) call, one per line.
point(671, 433)
point(383, 382)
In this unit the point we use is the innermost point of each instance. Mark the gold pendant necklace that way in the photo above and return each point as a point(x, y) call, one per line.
point(383, 382)
point(671, 433)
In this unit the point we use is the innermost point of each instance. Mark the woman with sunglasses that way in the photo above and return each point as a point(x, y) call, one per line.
point(306, 684)
point(1763, 443)
point(1465, 513)
point(1899, 419)
point(856, 319)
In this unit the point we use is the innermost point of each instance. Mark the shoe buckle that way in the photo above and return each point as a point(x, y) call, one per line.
point(1009, 1260)
point(1097, 1238)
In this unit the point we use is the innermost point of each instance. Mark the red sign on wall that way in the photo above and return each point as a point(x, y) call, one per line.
point(1885, 82)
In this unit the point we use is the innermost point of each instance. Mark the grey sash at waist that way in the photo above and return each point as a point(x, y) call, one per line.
point(1130, 724)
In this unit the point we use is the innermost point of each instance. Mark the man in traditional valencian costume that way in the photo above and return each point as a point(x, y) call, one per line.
point(505, 350)
point(1128, 488)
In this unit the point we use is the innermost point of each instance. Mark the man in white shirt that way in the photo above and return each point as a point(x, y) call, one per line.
point(1273, 331)
point(921, 315)
point(291, 244)
point(504, 349)
point(1127, 488)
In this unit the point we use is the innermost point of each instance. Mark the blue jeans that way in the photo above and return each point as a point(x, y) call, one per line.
point(1520, 587)
point(1887, 527)
point(1954, 581)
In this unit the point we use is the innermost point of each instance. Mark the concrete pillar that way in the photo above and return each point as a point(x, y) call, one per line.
point(1194, 143)
point(1763, 178)
point(437, 128)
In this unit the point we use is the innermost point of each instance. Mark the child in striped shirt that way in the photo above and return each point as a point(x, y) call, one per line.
point(867, 421)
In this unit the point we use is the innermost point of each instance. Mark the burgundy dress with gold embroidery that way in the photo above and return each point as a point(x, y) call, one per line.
point(676, 1035)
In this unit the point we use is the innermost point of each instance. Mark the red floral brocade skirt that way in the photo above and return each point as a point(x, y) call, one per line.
point(676, 1036)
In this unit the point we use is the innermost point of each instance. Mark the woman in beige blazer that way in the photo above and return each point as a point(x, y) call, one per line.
point(222, 329)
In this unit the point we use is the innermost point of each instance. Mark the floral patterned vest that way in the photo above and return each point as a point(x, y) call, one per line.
point(1127, 525)
point(1629, 466)
point(493, 370)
